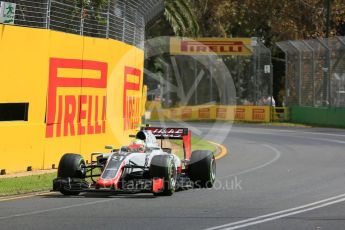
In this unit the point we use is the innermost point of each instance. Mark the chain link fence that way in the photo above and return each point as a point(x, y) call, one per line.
point(315, 72)
point(262, 76)
point(122, 20)
point(211, 79)
point(252, 76)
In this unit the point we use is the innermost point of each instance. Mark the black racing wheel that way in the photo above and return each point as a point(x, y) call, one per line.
point(71, 166)
point(202, 169)
point(163, 166)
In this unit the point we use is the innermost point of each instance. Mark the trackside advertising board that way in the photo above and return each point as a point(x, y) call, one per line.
point(82, 93)
point(213, 112)
point(209, 46)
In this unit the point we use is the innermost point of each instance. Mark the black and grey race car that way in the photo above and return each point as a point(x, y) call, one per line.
point(142, 166)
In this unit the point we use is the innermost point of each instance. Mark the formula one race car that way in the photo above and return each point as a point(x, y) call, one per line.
point(142, 166)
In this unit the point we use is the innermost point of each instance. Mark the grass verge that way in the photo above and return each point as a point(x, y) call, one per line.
point(197, 144)
point(26, 184)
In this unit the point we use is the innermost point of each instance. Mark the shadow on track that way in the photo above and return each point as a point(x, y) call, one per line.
point(100, 195)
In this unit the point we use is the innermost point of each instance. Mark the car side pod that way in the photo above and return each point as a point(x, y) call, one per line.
point(157, 185)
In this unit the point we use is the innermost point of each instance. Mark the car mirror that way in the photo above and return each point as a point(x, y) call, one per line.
point(109, 147)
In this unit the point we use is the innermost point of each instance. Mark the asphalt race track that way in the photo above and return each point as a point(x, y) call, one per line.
point(272, 178)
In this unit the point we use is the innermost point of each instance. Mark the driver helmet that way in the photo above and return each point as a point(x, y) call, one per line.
point(137, 146)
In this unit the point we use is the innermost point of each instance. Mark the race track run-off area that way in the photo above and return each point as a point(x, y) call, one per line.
point(271, 178)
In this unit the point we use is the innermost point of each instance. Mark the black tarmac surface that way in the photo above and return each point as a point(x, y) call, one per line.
point(271, 178)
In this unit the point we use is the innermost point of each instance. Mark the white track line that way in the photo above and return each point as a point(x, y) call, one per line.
point(281, 214)
point(296, 136)
point(304, 132)
point(54, 209)
point(276, 157)
point(278, 130)
point(287, 212)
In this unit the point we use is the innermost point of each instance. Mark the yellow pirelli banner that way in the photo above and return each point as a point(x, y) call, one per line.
point(214, 112)
point(81, 94)
point(209, 46)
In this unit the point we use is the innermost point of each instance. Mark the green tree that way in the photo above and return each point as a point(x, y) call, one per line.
point(271, 20)
point(181, 18)
point(95, 4)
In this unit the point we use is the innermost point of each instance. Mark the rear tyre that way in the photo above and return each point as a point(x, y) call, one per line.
point(71, 166)
point(202, 169)
point(163, 166)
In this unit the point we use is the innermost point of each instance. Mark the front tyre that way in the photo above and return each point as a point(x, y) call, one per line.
point(71, 166)
point(202, 169)
point(163, 166)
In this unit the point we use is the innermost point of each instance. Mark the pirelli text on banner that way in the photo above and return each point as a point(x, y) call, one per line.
point(132, 98)
point(76, 104)
point(208, 46)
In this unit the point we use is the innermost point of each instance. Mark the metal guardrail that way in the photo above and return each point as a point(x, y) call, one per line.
point(122, 20)
point(315, 72)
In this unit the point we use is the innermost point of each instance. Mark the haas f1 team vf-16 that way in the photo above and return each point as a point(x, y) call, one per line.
point(142, 166)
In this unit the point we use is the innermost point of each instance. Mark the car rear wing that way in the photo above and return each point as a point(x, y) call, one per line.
point(173, 134)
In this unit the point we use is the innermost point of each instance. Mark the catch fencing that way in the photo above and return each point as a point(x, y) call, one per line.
point(315, 72)
point(262, 76)
point(122, 20)
point(206, 79)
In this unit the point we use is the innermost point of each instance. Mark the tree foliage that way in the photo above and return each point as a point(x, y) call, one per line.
point(94, 4)
point(269, 19)
point(181, 18)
